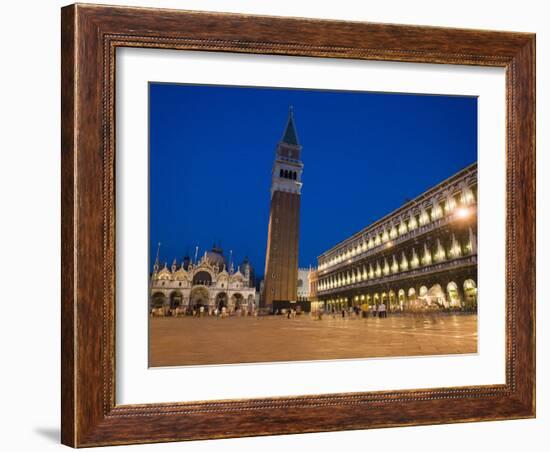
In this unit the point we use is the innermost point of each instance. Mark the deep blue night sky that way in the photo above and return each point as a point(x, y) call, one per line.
point(212, 148)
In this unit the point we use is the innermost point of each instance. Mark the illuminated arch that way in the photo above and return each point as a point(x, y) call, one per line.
point(470, 294)
point(237, 300)
point(176, 299)
point(199, 296)
point(454, 296)
point(392, 299)
point(412, 298)
point(158, 300)
point(221, 300)
point(423, 291)
point(401, 299)
point(436, 295)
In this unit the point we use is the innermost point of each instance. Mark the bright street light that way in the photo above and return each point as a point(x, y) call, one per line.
point(462, 212)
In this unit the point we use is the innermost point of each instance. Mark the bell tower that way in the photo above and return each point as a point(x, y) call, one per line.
point(281, 262)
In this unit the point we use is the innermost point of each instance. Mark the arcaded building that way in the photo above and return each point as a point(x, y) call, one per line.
point(421, 256)
point(210, 282)
point(281, 264)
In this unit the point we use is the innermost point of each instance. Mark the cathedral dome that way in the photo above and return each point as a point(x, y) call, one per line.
point(215, 257)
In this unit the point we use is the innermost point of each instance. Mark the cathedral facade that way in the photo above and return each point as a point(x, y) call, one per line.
point(209, 283)
point(281, 266)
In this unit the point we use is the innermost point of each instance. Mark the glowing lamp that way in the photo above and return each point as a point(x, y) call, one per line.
point(462, 212)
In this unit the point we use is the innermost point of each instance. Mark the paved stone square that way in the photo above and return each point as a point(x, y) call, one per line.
point(176, 341)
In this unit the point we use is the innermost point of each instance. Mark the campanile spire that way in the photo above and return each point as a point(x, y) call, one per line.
point(290, 136)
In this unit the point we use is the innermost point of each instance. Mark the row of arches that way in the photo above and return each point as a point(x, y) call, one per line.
point(198, 297)
point(452, 296)
point(433, 252)
point(457, 205)
point(287, 174)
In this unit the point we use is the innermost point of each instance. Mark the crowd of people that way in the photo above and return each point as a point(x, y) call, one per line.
point(363, 311)
point(200, 311)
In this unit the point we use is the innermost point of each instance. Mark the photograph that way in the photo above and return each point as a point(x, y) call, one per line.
point(294, 224)
point(255, 226)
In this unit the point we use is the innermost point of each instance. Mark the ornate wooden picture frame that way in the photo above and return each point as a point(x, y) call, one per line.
point(90, 37)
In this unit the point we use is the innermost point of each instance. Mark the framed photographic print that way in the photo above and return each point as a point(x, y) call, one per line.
point(279, 225)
